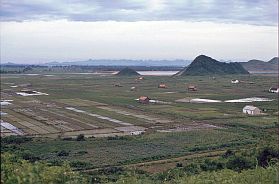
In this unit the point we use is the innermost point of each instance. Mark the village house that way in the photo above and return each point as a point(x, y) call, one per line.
point(144, 99)
point(28, 91)
point(117, 85)
point(25, 85)
point(138, 132)
point(234, 81)
point(192, 88)
point(273, 90)
point(162, 86)
point(251, 110)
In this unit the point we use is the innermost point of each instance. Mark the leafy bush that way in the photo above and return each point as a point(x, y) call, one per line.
point(266, 155)
point(67, 139)
point(214, 165)
point(14, 170)
point(179, 164)
point(192, 169)
point(112, 170)
point(27, 155)
point(82, 152)
point(15, 139)
point(80, 137)
point(117, 138)
point(238, 163)
point(63, 153)
point(79, 164)
point(56, 162)
point(228, 153)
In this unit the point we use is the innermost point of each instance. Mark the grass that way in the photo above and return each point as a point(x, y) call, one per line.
point(238, 130)
point(104, 152)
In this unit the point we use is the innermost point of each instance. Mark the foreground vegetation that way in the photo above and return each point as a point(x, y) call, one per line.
point(258, 165)
point(16, 170)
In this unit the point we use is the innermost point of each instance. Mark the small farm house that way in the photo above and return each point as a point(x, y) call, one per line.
point(144, 99)
point(273, 90)
point(162, 85)
point(117, 85)
point(234, 81)
point(251, 110)
point(192, 88)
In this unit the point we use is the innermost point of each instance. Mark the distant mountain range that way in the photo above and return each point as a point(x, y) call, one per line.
point(122, 62)
point(258, 65)
point(251, 66)
point(204, 65)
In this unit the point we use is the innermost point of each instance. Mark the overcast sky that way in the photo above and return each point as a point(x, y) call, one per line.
point(37, 31)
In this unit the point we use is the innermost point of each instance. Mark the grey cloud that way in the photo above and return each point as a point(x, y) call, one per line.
point(259, 12)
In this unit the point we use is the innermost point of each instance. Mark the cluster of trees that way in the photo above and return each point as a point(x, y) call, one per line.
point(15, 70)
point(16, 170)
point(230, 160)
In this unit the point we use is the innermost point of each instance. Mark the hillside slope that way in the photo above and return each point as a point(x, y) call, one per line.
point(204, 65)
point(258, 65)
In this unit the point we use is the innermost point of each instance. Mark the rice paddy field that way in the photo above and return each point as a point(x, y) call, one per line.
point(120, 131)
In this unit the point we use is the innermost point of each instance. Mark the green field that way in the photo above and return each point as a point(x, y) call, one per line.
point(173, 131)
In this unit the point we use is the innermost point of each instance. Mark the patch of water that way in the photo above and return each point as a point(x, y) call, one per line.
point(35, 93)
point(252, 99)
point(201, 100)
point(11, 127)
point(99, 116)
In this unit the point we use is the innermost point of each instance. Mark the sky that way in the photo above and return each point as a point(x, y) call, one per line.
point(39, 31)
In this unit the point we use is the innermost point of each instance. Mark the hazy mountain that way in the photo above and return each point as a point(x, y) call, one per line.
point(127, 72)
point(122, 62)
point(259, 65)
point(204, 65)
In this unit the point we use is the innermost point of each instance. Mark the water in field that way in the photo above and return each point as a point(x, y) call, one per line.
point(157, 73)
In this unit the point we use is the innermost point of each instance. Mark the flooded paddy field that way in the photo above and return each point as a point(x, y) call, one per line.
point(120, 130)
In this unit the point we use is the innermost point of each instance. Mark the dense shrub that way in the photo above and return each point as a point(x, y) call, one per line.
point(15, 139)
point(179, 164)
point(112, 170)
point(117, 138)
point(67, 139)
point(15, 170)
point(228, 153)
point(266, 155)
point(63, 153)
point(80, 137)
point(79, 164)
point(238, 163)
point(214, 165)
point(82, 152)
point(27, 155)
point(192, 169)
point(56, 162)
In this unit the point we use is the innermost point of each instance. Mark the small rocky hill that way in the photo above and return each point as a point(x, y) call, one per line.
point(204, 65)
point(127, 72)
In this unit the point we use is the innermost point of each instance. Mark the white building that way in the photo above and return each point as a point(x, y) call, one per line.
point(138, 132)
point(273, 90)
point(234, 81)
point(251, 110)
